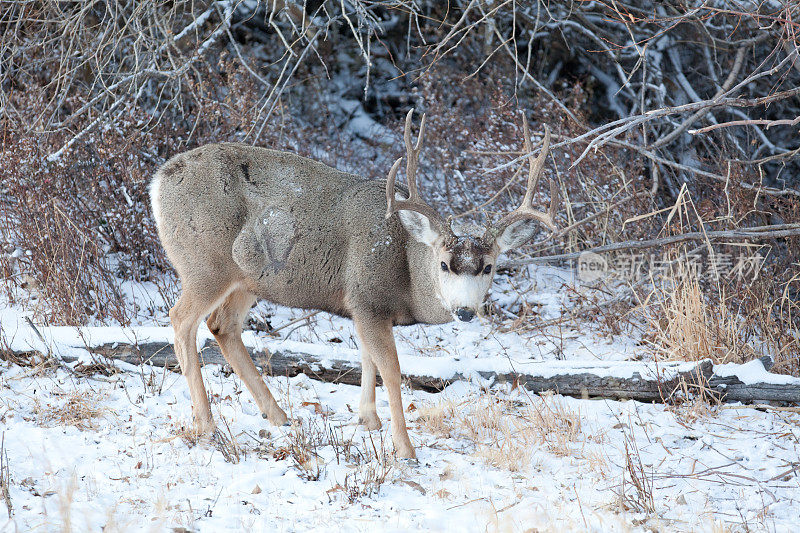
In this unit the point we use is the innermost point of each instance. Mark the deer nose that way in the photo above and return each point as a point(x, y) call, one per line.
point(464, 314)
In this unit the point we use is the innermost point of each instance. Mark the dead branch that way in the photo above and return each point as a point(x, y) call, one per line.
point(658, 384)
point(748, 122)
point(778, 231)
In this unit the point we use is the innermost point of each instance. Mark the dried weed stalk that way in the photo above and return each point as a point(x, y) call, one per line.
point(687, 326)
point(5, 476)
point(636, 489)
point(504, 432)
point(77, 409)
point(310, 441)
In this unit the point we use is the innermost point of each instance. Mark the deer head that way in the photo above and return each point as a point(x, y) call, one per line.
point(463, 265)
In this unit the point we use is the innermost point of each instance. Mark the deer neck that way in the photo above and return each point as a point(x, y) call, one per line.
point(426, 306)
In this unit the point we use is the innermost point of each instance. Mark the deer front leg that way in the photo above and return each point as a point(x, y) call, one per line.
point(377, 341)
point(367, 413)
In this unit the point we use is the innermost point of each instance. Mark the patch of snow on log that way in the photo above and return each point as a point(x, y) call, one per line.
point(752, 373)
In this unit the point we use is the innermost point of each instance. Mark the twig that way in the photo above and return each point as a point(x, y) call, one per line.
point(50, 356)
point(763, 406)
point(756, 233)
point(295, 321)
point(5, 476)
point(750, 122)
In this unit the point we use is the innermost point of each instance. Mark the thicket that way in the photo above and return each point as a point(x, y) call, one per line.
point(670, 118)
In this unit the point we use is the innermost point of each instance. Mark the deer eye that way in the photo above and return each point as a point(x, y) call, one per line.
point(487, 269)
point(444, 267)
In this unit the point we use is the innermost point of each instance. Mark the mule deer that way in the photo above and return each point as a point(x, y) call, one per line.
point(240, 223)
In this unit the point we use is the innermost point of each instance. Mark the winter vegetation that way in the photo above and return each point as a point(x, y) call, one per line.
point(636, 369)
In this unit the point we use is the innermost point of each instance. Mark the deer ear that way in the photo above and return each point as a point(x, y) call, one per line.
point(419, 226)
point(517, 234)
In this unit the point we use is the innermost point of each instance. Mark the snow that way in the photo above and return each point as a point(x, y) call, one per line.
point(754, 372)
point(129, 466)
point(114, 452)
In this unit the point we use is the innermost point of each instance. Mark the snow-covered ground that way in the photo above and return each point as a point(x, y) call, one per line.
point(113, 453)
point(116, 453)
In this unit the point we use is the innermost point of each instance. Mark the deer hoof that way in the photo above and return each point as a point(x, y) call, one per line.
point(406, 455)
point(277, 417)
point(371, 422)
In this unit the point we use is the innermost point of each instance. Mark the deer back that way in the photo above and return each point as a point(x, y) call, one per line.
point(292, 230)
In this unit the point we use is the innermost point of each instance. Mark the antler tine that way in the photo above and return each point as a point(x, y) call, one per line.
point(413, 203)
point(536, 165)
point(526, 210)
point(390, 179)
point(412, 152)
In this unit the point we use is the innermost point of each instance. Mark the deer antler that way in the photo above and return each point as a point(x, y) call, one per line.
point(526, 211)
point(414, 202)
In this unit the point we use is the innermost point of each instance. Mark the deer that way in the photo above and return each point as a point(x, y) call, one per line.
point(241, 223)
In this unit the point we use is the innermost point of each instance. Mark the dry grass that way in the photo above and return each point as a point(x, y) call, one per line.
point(504, 432)
point(65, 499)
point(693, 401)
point(779, 321)
point(309, 444)
point(39, 362)
point(686, 325)
point(727, 302)
point(5, 476)
point(222, 439)
point(185, 431)
point(226, 442)
point(371, 467)
point(636, 489)
point(77, 409)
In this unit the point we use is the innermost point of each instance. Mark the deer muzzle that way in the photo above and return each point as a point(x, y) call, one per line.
point(464, 314)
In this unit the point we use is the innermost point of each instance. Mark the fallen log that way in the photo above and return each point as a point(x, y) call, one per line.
point(617, 380)
point(735, 389)
point(581, 379)
point(277, 363)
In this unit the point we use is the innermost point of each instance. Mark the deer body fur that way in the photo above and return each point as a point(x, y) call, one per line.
point(292, 231)
point(241, 223)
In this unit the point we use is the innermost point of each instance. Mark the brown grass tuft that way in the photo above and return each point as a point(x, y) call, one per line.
point(504, 432)
point(636, 489)
point(77, 409)
point(5, 476)
point(686, 325)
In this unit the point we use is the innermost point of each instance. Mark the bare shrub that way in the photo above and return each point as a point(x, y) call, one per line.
point(82, 226)
point(467, 136)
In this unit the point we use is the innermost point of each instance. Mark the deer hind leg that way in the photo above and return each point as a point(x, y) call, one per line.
point(226, 325)
point(377, 341)
point(186, 315)
point(367, 413)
